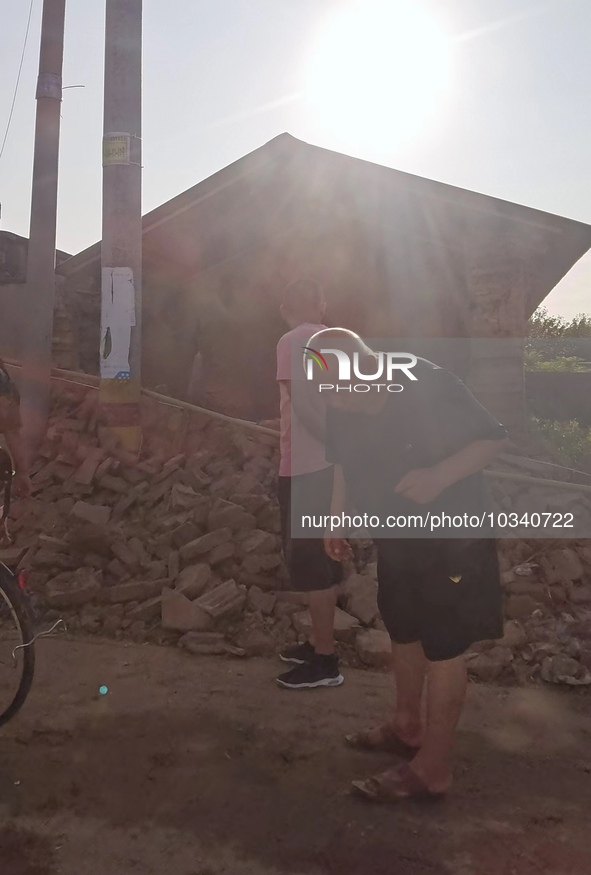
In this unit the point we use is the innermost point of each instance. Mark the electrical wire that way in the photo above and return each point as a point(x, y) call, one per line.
point(18, 78)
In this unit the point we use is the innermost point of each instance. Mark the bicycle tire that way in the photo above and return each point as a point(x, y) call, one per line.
point(12, 595)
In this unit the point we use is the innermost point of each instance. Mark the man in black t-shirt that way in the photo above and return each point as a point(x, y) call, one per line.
point(401, 455)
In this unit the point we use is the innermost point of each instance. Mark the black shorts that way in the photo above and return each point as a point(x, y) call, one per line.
point(309, 568)
point(444, 593)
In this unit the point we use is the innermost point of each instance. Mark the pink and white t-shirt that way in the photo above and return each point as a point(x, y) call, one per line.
point(301, 452)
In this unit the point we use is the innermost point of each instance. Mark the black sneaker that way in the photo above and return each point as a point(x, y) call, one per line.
point(299, 654)
point(322, 671)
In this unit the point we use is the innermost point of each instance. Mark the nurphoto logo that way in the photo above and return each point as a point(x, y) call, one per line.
point(386, 364)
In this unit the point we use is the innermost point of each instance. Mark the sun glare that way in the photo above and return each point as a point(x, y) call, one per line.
point(377, 72)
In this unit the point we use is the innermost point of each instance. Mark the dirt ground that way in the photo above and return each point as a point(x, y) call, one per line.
point(196, 766)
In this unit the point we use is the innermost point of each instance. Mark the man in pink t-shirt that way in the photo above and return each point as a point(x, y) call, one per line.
point(303, 466)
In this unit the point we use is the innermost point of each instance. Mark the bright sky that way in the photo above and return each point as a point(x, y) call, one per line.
point(490, 95)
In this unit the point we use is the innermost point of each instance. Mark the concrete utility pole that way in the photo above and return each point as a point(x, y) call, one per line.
point(121, 258)
point(40, 288)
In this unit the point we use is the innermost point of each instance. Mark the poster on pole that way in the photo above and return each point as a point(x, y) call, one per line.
point(116, 149)
point(117, 320)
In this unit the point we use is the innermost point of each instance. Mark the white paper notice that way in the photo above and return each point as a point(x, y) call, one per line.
point(117, 320)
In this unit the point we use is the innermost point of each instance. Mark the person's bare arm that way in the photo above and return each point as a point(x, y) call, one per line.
point(339, 492)
point(311, 415)
point(338, 548)
point(423, 485)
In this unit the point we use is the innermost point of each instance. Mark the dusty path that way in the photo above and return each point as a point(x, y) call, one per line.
point(196, 766)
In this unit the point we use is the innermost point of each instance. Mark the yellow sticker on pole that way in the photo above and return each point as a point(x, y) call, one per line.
point(116, 149)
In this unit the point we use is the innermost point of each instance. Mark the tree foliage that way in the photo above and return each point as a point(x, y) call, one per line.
point(551, 338)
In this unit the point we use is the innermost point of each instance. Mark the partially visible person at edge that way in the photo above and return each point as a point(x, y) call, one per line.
point(303, 467)
point(408, 452)
point(10, 427)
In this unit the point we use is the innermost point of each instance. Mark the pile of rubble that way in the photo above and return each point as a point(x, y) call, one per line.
point(182, 547)
point(527, 506)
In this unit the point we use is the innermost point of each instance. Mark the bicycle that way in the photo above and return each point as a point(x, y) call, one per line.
point(17, 638)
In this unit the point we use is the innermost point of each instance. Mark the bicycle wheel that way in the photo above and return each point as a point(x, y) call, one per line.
point(16, 627)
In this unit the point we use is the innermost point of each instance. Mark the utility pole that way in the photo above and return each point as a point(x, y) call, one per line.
point(40, 288)
point(121, 253)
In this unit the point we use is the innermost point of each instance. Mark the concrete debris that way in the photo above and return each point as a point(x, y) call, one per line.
point(565, 670)
point(374, 648)
point(226, 600)
point(183, 615)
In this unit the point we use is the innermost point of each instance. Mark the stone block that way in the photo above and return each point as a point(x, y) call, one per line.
point(221, 553)
point(225, 513)
point(226, 600)
point(183, 615)
point(148, 610)
point(203, 545)
point(97, 514)
point(561, 565)
point(135, 590)
point(374, 648)
point(257, 600)
point(194, 580)
point(518, 607)
point(361, 593)
point(259, 541)
point(73, 589)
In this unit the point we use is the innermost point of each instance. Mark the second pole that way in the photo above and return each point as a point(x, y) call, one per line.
point(121, 252)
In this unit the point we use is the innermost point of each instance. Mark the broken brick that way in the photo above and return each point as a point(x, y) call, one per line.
point(11, 556)
point(225, 600)
point(125, 503)
point(77, 588)
point(224, 513)
point(75, 488)
point(148, 610)
point(87, 470)
point(115, 484)
point(174, 564)
point(135, 590)
point(183, 615)
point(133, 476)
point(221, 553)
point(262, 542)
point(158, 569)
point(197, 480)
point(44, 475)
point(171, 467)
point(104, 468)
point(97, 514)
point(203, 545)
point(185, 533)
point(194, 580)
point(128, 557)
point(125, 458)
point(117, 569)
point(182, 497)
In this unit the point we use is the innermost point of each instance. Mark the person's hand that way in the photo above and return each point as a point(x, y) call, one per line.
point(22, 485)
point(422, 485)
point(337, 548)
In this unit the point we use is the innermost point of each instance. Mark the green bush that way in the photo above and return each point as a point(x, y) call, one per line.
point(534, 362)
point(571, 440)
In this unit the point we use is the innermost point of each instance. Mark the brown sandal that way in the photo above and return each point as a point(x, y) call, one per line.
point(396, 785)
point(382, 738)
